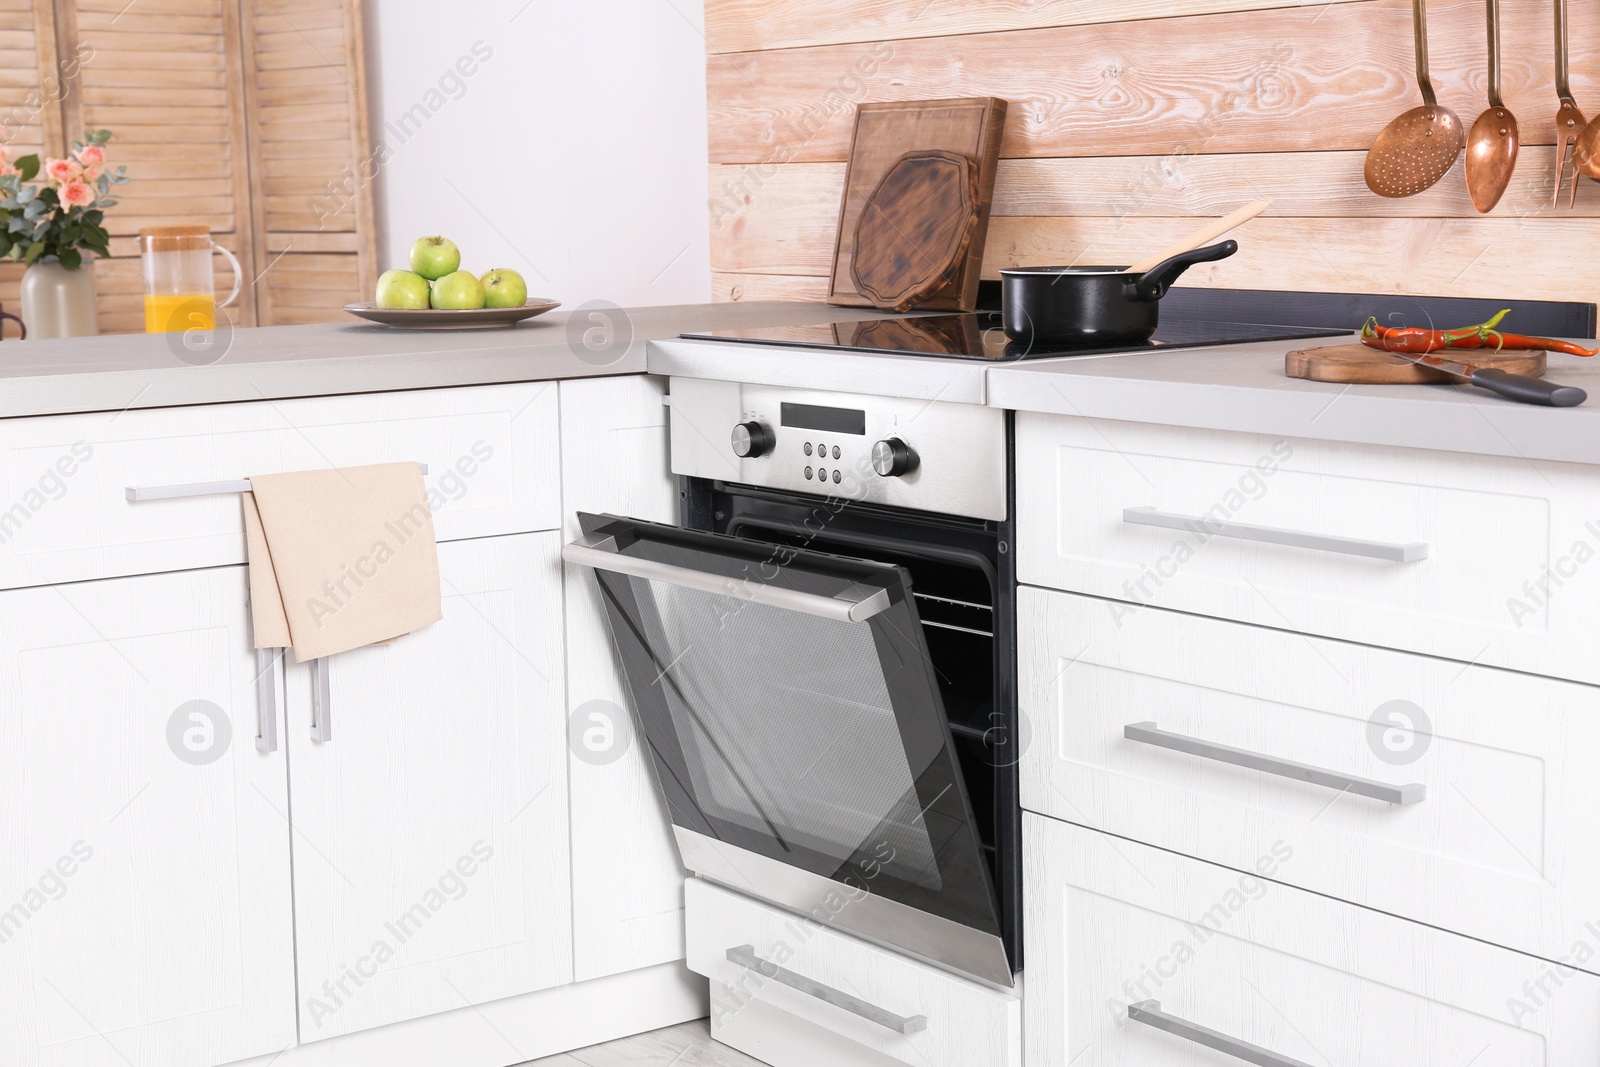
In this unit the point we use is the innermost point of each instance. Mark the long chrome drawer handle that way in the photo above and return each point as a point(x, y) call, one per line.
point(1149, 1012)
point(854, 605)
point(1349, 546)
point(1150, 734)
point(266, 700)
point(745, 956)
point(321, 702)
point(137, 493)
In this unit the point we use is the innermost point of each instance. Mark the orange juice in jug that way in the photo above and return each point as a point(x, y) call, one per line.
point(179, 312)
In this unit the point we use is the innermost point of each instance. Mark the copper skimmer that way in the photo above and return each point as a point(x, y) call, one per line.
point(1493, 144)
point(1418, 148)
point(1569, 120)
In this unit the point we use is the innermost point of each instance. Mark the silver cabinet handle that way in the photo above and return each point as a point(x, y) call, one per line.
point(138, 493)
point(1149, 734)
point(600, 552)
point(321, 704)
point(1349, 546)
point(1149, 1012)
point(745, 956)
point(266, 700)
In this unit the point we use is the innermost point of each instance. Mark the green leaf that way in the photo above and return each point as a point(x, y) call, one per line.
point(34, 251)
point(71, 258)
point(29, 166)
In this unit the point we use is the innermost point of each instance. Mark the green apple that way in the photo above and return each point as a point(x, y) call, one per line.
point(504, 288)
point(458, 292)
point(434, 257)
point(402, 289)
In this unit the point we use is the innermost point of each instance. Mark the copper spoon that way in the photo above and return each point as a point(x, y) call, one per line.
point(1492, 145)
point(1418, 148)
point(1569, 120)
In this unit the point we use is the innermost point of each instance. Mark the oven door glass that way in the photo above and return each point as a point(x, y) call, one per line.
point(792, 711)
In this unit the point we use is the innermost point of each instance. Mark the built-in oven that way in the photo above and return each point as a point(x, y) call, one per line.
point(823, 671)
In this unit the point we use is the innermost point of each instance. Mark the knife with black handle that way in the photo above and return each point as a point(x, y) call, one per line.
point(1519, 387)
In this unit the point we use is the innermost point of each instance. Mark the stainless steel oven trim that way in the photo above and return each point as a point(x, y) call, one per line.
point(928, 938)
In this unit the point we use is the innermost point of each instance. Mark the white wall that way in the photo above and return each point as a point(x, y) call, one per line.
point(574, 153)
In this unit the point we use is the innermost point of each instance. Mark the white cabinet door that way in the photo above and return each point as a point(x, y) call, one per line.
point(626, 879)
point(145, 913)
point(1480, 559)
point(1492, 842)
point(430, 842)
point(1111, 924)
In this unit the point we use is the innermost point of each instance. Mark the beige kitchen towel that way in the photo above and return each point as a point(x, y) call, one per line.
point(340, 558)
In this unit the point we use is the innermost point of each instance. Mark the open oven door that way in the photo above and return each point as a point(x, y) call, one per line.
point(798, 735)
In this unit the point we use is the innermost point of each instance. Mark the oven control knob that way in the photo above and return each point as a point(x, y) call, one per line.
point(752, 440)
point(893, 458)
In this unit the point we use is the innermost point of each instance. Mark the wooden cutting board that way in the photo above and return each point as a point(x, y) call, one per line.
point(1358, 364)
point(885, 132)
point(915, 228)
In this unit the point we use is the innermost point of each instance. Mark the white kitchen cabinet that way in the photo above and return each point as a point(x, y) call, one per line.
point(1492, 842)
point(145, 909)
point(1498, 554)
point(491, 453)
point(1111, 924)
point(431, 834)
point(626, 878)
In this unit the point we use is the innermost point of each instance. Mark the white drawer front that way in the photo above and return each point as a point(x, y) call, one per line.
point(965, 1023)
point(1498, 846)
point(1311, 980)
point(492, 455)
point(1506, 579)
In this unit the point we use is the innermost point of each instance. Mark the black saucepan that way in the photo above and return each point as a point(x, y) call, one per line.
point(1092, 305)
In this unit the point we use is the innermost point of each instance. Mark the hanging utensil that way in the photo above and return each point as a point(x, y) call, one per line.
point(1569, 120)
point(1418, 148)
point(1494, 141)
point(1203, 236)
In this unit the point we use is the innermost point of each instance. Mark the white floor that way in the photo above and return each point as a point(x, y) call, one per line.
point(684, 1045)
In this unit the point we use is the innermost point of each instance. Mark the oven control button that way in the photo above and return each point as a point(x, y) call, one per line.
point(893, 458)
point(752, 440)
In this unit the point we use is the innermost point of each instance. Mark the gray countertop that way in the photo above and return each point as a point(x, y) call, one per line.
point(1243, 387)
point(1239, 387)
point(114, 373)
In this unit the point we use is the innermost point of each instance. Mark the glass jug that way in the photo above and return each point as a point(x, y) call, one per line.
point(179, 293)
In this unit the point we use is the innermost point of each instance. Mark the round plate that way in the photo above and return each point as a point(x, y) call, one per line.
point(433, 319)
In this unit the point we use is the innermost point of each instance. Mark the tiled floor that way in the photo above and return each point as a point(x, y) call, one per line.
point(684, 1045)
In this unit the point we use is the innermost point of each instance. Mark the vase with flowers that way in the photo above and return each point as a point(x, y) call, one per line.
point(49, 223)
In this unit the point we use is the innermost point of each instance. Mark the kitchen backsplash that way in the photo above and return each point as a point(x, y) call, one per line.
point(1129, 117)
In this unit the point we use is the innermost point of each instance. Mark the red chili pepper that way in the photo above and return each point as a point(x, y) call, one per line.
point(1518, 341)
point(1418, 341)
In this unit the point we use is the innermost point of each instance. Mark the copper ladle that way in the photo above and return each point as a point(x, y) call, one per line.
point(1569, 120)
point(1493, 143)
point(1418, 148)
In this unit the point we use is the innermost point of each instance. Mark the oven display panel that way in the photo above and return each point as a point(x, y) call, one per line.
point(828, 420)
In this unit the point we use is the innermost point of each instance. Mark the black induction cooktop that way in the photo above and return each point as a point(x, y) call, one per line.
point(978, 336)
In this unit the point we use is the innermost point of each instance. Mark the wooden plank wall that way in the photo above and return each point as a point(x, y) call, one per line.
point(249, 116)
point(1128, 117)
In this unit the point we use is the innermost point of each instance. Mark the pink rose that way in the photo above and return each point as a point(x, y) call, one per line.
point(91, 155)
point(92, 172)
point(77, 194)
point(8, 169)
point(62, 170)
